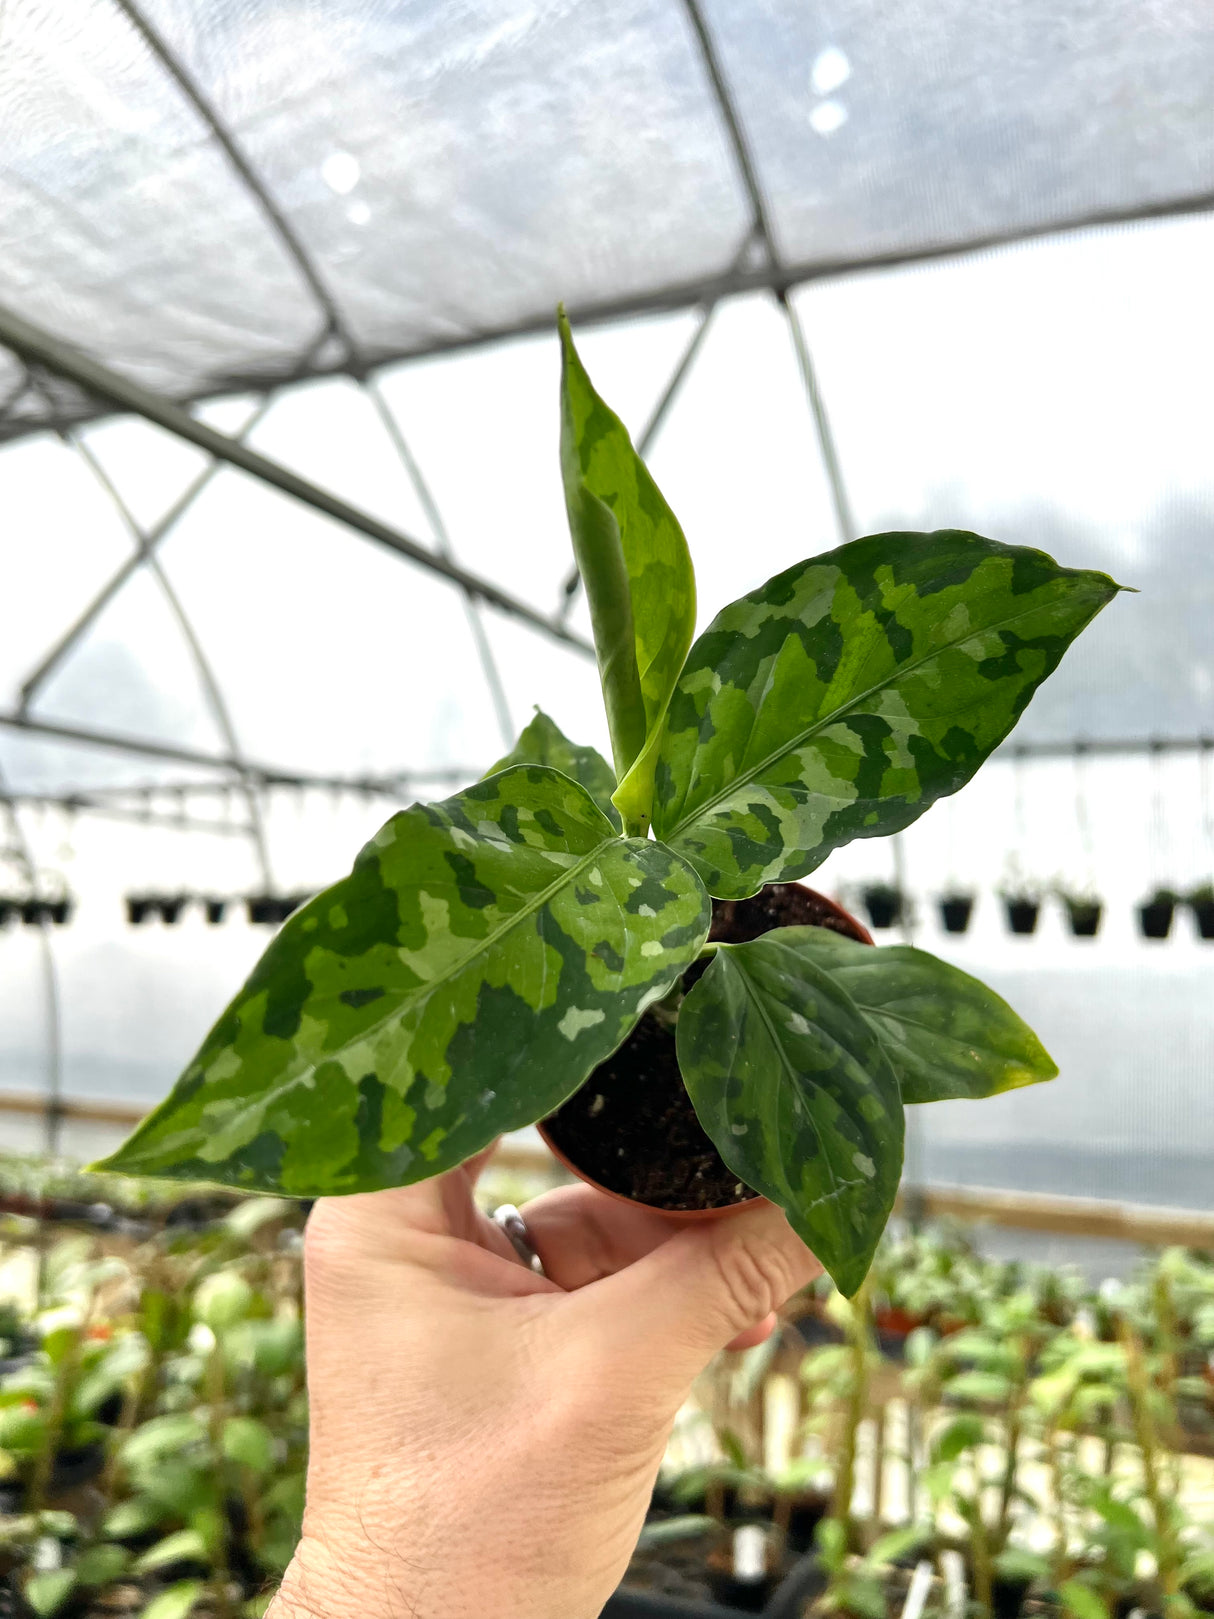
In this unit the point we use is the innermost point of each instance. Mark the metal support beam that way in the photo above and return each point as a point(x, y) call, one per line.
point(442, 540)
point(50, 979)
point(154, 536)
point(206, 674)
point(391, 783)
point(247, 175)
point(749, 176)
point(42, 348)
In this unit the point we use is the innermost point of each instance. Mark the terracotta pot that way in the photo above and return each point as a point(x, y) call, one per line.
point(855, 930)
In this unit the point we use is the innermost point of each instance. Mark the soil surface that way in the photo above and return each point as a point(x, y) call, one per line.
point(632, 1126)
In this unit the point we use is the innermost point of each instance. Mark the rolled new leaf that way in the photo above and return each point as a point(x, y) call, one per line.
point(483, 956)
point(636, 568)
point(542, 742)
point(947, 1035)
point(846, 695)
point(792, 1085)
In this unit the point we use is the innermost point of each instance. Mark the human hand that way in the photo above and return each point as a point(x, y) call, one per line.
point(484, 1440)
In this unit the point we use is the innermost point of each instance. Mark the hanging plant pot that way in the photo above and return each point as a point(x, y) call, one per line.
point(35, 911)
point(263, 910)
point(631, 1129)
point(956, 911)
point(1155, 914)
point(214, 909)
point(883, 903)
point(171, 908)
point(1022, 912)
point(138, 909)
point(1201, 903)
point(60, 911)
point(9, 910)
point(1084, 915)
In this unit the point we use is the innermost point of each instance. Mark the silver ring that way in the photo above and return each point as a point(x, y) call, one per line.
point(508, 1219)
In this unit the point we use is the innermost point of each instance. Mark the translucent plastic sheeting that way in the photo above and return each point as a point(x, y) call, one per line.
point(403, 175)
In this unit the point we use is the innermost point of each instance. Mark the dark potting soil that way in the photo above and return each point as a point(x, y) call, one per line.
point(632, 1127)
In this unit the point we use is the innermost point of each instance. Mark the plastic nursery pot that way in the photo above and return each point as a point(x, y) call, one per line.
point(9, 909)
point(778, 905)
point(883, 904)
point(171, 908)
point(955, 912)
point(214, 910)
point(138, 909)
point(1022, 913)
point(1084, 916)
point(1155, 916)
point(1203, 910)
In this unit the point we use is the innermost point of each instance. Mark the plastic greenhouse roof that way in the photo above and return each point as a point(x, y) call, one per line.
point(227, 195)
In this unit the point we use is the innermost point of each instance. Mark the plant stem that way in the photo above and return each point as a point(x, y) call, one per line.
point(1144, 1432)
point(980, 1544)
point(56, 1416)
point(857, 1399)
point(216, 1398)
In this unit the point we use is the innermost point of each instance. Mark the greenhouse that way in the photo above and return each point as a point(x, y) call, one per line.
point(292, 451)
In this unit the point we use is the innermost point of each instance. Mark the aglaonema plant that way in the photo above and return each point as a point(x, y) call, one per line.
point(487, 952)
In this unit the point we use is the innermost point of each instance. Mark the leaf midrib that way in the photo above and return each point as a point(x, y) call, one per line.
point(747, 776)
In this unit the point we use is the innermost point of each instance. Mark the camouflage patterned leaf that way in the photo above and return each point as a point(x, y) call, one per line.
point(544, 743)
point(637, 571)
point(792, 1085)
point(846, 695)
point(482, 957)
point(946, 1035)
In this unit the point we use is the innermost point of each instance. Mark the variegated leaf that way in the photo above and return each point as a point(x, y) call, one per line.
point(847, 694)
point(482, 957)
point(543, 742)
point(793, 1087)
point(637, 571)
point(946, 1034)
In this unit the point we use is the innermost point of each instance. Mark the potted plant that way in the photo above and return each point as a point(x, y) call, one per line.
point(1201, 902)
point(214, 909)
point(1155, 914)
point(1022, 908)
point(956, 909)
point(1083, 911)
point(487, 953)
point(883, 902)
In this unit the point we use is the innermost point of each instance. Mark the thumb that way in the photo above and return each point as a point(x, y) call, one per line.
point(672, 1310)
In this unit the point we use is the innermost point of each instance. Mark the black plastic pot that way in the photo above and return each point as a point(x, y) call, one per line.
point(1022, 913)
point(884, 906)
point(138, 909)
point(1203, 910)
point(171, 909)
point(263, 909)
point(9, 911)
point(215, 909)
point(955, 912)
point(60, 912)
point(650, 1605)
point(34, 912)
point(1084, 916)
point(1155, 918)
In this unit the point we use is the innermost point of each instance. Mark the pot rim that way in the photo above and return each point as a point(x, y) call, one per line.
point(863, 936)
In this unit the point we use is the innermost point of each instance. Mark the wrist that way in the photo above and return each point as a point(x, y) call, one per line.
point(344, 1579)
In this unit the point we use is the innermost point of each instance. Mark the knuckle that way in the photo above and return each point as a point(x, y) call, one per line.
point(756, 1278)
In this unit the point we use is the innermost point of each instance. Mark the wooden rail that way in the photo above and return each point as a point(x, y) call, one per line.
point(1141, 1223)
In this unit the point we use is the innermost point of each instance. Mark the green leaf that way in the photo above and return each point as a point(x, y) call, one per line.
point(186, 1545)
point(175, 1603)
point(485, 954)
point(47, 1592)
point(846, 695)
point(543, 743)
point(1081, 1601)
point(946, 1034)
point(635, 565)
point(249, 1443)
point(958, 1436)
point(101, 1565)
point(792, 1086)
